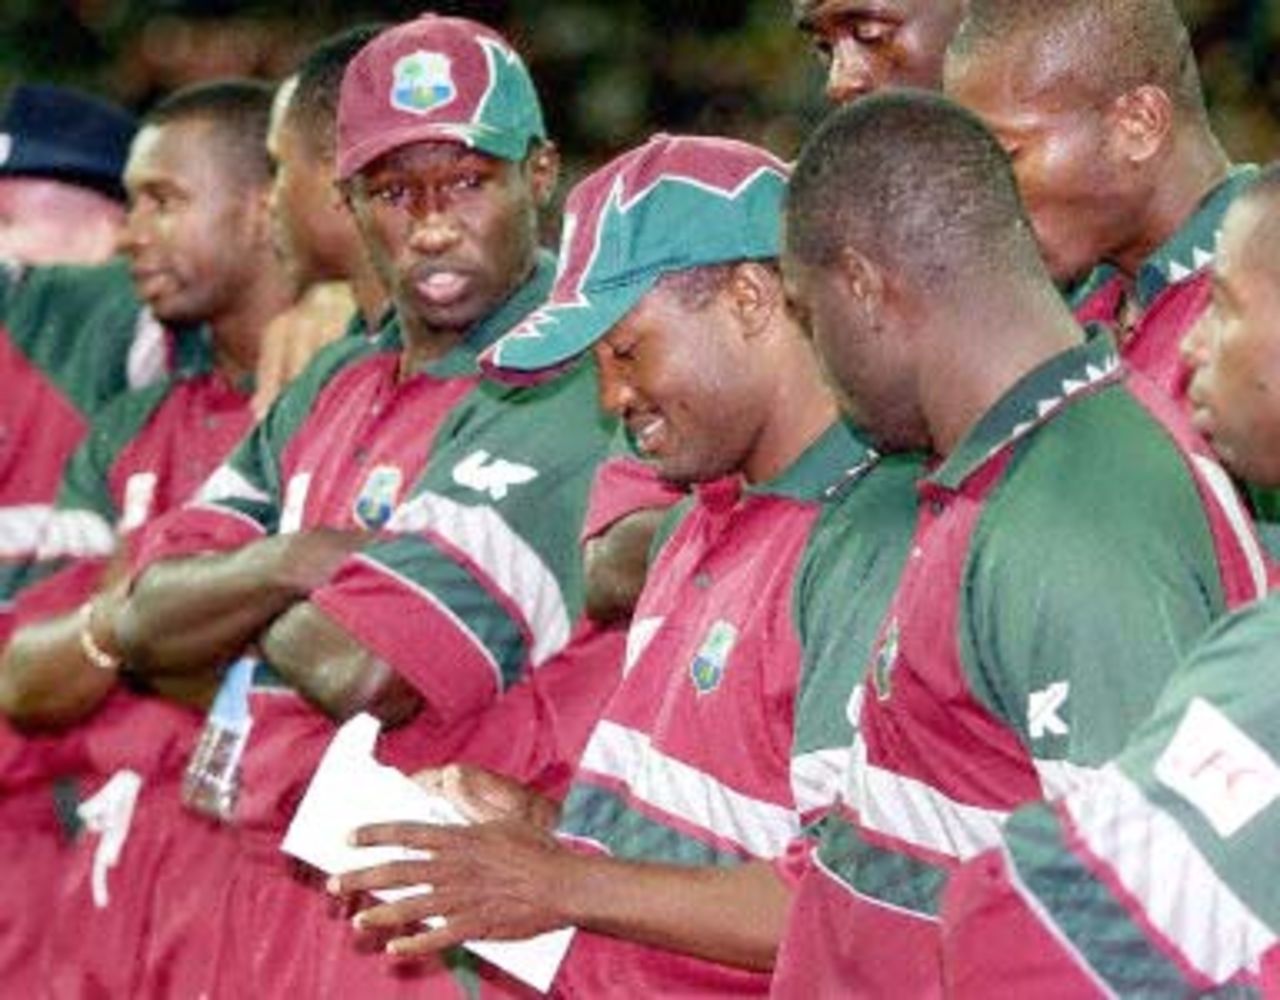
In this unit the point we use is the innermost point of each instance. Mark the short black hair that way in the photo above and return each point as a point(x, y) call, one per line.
point(1117, 45)
point(915, 180)
point(239, 112)
point(695, 287)
point(313, 105)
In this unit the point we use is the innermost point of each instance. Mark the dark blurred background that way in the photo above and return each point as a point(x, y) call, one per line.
point(610, 71)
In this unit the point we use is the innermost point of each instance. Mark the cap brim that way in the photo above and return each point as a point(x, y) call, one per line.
point(555, 335)
point(503, 145)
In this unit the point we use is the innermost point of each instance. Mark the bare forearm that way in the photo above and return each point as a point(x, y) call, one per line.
point(728, 915)
point(192, 614)
point(333, 671)
point(46, 682)
point(54, 670)
point(195, 691)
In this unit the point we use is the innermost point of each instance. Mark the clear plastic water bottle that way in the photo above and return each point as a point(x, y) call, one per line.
point(211, 783)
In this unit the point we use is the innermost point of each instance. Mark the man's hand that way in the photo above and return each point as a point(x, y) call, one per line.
point(511, 879)
point(305, 560)
point(500, 881)
point(615, 564)
point(484, 796)
point(292, 339)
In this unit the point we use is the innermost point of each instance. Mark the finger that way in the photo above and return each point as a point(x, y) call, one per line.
point(449, 935)
point(392, 875)
point(401, 834)
point(402, 915)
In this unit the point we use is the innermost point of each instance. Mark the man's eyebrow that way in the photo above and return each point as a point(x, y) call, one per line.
point(807, 14)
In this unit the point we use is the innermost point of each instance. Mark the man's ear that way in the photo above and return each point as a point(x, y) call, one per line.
point(258, 218)
point(1141, 123)
point(337, 193)
point(757, 294)
point(543, 165)
point(865, 282)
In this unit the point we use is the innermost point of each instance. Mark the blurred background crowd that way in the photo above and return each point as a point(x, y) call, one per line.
point(611, 71)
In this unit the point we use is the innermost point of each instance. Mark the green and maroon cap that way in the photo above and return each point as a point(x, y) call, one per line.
point(443, 79)
point(674, 203)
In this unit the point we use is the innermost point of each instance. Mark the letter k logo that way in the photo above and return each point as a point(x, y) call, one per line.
point(1042, 711)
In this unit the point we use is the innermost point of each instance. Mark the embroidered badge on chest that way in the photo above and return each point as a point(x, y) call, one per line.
point(708, 666)
point(422, 82)
point(378, 497)
point(886, 659)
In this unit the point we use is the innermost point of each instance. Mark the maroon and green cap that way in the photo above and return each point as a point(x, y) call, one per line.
point(443, 79)
point(674, 203)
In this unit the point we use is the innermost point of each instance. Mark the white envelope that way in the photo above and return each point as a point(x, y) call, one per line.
point(350, 789)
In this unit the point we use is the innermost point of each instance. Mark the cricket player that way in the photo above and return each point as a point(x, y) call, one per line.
point(1067, 502)
point(1064, 904)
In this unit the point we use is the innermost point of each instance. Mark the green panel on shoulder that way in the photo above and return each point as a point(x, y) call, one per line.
point(77, 325)
point(1093, 565)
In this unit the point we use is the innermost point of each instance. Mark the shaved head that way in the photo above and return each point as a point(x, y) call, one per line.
point(912, 179)
point(905, 244)
point(1091, 52)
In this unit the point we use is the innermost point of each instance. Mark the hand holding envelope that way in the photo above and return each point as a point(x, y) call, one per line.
point(416, 853)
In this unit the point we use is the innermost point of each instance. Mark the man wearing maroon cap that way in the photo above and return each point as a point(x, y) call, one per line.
point(302, 565)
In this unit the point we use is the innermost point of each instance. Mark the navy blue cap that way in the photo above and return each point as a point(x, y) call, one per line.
point(48, 131)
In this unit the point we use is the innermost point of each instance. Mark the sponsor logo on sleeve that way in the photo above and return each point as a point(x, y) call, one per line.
point(1218, 769)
